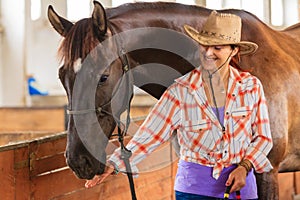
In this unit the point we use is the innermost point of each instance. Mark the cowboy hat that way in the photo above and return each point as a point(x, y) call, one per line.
point(222, 29)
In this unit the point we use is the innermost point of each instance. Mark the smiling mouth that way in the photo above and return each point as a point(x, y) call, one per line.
point(210, 59)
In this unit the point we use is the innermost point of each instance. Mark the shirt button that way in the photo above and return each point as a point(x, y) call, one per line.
point(225, 151)
point(233, 95)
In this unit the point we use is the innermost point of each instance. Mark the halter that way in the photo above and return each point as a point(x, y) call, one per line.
point(125, 153)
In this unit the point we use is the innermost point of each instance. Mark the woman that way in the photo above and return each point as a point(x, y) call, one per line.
point(220, 115)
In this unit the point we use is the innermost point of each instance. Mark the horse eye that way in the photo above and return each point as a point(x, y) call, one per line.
point(103, 78)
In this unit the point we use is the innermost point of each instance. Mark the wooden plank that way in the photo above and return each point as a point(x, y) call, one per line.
point(10, 138)
point(297, 183)
point(47, 156)
point(143, 184)
point(163, 156)
point(55, 184)
point(7, 184)
point(49, 148)
point(48, 164)
point(160, 181)
point(159, 190)
point(32, 119)
point(285, 182)
point(81, 194)
point(22, 180)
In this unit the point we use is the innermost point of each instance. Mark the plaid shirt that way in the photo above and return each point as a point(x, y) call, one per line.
point(185, 108)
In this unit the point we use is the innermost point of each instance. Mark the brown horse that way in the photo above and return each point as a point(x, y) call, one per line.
point(149, 38)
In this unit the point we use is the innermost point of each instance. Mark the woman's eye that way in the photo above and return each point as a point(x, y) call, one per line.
point(103, 78)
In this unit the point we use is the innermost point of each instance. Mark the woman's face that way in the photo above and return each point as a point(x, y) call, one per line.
point(213, 57)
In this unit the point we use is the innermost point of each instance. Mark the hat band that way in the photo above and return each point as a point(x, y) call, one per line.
point(219, 36)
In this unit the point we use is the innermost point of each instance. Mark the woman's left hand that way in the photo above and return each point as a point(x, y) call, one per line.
point(237, 178)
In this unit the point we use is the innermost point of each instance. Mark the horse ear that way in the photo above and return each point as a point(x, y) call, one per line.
point(61, 25)
point(99, 18)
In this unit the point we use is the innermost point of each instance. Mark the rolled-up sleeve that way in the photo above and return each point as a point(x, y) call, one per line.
point(261, 143)
point(155, 130)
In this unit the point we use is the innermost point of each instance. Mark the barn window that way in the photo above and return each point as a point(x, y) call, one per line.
point(188, 2)
point(119, 2)
point(255, 7)
point(214, 4)
point(35, 9)
point(78, 9)
point(276, 12)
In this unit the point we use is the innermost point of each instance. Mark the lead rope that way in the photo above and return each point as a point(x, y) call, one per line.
point(227, 192)
point(210, 75)
point(214, 98)
point(125, 153)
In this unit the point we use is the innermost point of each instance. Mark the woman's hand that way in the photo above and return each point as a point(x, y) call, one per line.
point(237, 178)
point(109, 169)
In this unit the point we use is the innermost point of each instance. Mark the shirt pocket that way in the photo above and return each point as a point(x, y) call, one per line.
point(197, 126)
point(241, 124)
point(197, 134)
point(241, 112)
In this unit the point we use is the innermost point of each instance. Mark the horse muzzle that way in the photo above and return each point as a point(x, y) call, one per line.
point(85, 167)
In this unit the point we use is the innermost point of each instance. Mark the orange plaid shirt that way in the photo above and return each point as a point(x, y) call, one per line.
point(184, 107)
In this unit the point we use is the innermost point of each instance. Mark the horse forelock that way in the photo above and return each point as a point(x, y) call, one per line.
point(78, 43)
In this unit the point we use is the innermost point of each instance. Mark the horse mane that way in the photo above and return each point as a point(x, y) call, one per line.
point(80, 40)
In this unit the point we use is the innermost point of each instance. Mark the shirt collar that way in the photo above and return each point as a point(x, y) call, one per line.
point(193, 80)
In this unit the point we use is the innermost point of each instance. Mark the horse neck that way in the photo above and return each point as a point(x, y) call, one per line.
point(159, 14)
point(145, 24)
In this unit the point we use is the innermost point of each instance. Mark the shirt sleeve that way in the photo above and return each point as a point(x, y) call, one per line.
point(261, 143)
point(155, 130)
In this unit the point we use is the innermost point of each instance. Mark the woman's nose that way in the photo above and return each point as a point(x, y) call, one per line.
point(208, 50)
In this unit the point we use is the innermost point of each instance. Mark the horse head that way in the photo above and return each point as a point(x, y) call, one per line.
point(94, 80)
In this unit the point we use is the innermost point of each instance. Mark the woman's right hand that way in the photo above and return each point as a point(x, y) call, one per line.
point(109, 169)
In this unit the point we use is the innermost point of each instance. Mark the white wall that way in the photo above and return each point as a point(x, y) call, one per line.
point(41, 48)
point(12, 65)
point(290, 12)
point(1, 63)
point(29, 47)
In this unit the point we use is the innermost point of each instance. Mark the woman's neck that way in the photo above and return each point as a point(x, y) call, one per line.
point(215, 86)
point(217, 76)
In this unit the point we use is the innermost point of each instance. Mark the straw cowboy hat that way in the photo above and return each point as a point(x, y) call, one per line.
point(222, 29)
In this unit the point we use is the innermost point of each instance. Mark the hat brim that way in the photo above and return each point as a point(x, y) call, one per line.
point(246, 48)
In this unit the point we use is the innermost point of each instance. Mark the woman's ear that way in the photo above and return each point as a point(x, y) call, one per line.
point(235, 50)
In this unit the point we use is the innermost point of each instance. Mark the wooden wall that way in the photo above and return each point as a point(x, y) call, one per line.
point(30, 119)
point(36, 168)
